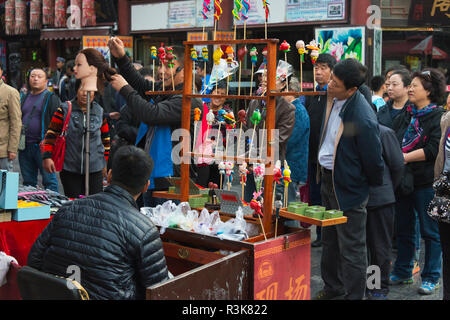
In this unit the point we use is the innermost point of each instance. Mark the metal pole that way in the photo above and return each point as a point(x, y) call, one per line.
point(86, 148)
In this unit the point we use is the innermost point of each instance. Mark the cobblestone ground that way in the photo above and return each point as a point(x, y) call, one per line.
point(399, 292)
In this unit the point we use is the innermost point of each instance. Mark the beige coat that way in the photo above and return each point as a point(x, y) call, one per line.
point(439, 162)
point(10, 119)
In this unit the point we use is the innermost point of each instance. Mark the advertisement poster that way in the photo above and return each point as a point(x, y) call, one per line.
point(343, 43)
point(101, 44)
point(182, 14)
point(314, 10)
point(98, 42)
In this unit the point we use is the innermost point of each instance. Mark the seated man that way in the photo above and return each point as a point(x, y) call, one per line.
point(116, 248)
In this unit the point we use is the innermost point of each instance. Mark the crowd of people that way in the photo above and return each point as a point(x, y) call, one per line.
point(373, 153)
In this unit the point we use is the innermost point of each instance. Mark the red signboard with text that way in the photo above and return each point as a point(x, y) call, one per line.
point(282, 268)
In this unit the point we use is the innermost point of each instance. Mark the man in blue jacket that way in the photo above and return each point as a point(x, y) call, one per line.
point(350, 160)
point(38, 108)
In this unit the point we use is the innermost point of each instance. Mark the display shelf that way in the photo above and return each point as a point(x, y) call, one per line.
point(321, 223)
point(174, 196)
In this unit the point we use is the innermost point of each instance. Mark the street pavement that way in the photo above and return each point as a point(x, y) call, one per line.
point(398, 292)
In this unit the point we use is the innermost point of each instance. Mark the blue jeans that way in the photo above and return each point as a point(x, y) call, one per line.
point(418, 202)
point(30, 161)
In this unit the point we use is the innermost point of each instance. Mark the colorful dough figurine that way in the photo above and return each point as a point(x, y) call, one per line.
point(285, 47)
point(301, 51)
point(242, 114)
point(254, 59)
point(162, 59)
point(255, 119)
point(314, 48)
point(154, 56)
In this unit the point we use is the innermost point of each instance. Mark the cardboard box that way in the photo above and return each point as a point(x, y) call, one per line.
point(31, 213)
point(9, 188)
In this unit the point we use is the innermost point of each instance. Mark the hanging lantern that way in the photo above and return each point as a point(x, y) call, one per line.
point(88, 9)
point(10, 8)
point(48, 9)
point(35, 15)
point(60, 13)
point(21, 17)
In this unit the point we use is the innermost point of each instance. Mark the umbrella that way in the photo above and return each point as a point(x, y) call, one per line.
point(439, 54)
point(424, 47)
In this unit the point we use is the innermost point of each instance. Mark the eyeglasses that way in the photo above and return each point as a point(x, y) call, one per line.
point(427, 75)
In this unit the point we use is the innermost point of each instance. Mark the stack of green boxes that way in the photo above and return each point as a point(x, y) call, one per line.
point(199, 202)
point(332, 214)
point(297, 207)
point(172, 189)
point(315, 212)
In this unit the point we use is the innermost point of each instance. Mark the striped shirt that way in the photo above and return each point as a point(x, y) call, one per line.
point(55, 128)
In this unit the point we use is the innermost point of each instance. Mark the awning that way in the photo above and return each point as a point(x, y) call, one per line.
point(70, 34)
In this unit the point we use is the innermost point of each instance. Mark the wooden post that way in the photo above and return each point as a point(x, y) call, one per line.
point(270, 125)
point(186, 123)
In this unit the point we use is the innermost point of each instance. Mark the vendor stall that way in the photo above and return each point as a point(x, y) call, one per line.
point(274, 263)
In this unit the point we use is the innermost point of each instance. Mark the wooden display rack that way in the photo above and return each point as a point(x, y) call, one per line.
point(257, 268)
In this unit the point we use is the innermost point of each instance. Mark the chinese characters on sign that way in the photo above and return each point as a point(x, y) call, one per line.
point(431, 12)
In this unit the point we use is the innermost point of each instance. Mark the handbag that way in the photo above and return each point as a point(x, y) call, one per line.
point(59, 148)
point(23, 131)
point(439, 207)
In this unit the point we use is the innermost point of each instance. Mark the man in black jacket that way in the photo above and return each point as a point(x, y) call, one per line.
point(350, 159)
point(381, 212)
point(116, 249)
point(316, 105)
point(163, 110)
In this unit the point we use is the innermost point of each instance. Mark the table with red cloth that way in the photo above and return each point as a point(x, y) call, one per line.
point(17, 238)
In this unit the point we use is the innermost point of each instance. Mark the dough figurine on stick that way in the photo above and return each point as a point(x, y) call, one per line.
point(194, 58)
point(217, 55)
point(230, 56)
point(285, 47)
point(255, 119)
point(287, 180)
point(205, 10)
point(170, 57)
point(256, 204)
point(243, 171)
point(241, 114)
point(314, 48)
point(217, 12)
point(237, 8)
point(162, 59)
point(254, 59)
point(278, 206)
point(241, 55)
point(246, 6)
point(266, 11)
point(154, 56)
point(205, 55)
point(301, 51)
point(197, 118)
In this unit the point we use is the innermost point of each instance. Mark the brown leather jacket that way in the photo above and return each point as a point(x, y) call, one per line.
point(10, 119)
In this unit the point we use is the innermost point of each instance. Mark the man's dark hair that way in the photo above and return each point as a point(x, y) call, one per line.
point(328, 59)
point(394, 68)
point(350, 72)
point(147, 71)
point(69, 65)
point(45, 72)
point(131, 169)
point(178, 51)
point(405, 75)
point(376, 83)
point(434, 82)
